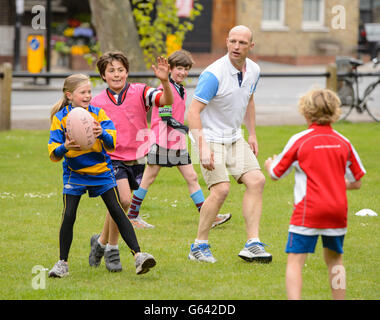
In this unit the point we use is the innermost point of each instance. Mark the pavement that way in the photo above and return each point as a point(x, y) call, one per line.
point(268, 112)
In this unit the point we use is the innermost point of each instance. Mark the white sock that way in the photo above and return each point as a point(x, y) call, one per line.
point(111, 247)
point(253, 240)
point(196, 241)
point(103, 246)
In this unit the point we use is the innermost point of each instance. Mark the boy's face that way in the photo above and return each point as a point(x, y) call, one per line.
point(115, 75)
point(179, 73)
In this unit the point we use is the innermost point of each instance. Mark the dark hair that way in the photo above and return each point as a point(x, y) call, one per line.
point(180, 58)
point(108, 57)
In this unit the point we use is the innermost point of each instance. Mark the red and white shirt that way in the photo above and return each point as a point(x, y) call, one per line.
point(322, 159)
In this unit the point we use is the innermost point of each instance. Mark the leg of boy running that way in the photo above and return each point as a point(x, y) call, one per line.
point(143, 261)
point(294, 267)
point(150, 174)
point(196, 192)
point(109, 238)
point(337, 273)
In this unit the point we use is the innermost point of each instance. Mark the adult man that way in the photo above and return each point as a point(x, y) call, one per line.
point(224, 99)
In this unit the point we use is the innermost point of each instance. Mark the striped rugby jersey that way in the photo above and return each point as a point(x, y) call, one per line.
point(322, 159)
point(90, 167)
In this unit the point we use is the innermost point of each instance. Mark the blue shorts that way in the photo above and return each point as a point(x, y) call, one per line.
point(93, 191)
point(299, 243)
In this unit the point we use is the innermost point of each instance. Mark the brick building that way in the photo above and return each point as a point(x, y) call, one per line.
point(288, 31)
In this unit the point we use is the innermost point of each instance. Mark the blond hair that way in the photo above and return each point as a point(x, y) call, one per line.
point(321, 106)
point(71, 83)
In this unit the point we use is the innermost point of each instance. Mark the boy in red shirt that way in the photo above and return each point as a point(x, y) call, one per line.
point(326, 165)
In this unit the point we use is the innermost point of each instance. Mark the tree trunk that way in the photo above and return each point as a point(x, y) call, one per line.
point(116, 30)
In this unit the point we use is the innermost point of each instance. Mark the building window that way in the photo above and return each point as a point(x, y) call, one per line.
point(273, 14)
point(313, 14)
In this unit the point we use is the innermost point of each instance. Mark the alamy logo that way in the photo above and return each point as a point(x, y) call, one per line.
point(39, 20)
point(339, 19)
point(39, 280)
point(338, 280)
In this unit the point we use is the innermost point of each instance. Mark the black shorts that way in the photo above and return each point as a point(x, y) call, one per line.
point(132, 172)
point(168, 157)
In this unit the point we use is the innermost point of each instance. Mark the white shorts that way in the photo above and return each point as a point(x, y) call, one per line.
point(235, 158)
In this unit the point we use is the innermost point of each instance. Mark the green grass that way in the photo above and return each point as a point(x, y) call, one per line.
point(31, 206)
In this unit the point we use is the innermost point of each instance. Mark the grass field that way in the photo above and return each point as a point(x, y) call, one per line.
point(30, 211)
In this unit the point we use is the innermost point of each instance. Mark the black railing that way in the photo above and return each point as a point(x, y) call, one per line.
point(148, 74)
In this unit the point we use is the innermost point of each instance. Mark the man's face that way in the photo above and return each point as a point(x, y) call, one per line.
point(239, 43)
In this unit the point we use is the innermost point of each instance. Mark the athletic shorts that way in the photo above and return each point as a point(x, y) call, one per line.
point(168, 157)
point(299, 243)
point(93, 191)
point(235, 158)
point(131, 170)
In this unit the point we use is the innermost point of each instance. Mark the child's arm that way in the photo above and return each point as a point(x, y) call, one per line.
point(353, 185)
point(104, 129)
point(268, 164)
point(60, 151)
point(102, 134)
point(162, 71)
point(59, 142)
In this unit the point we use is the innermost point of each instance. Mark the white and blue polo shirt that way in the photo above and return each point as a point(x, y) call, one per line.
point(226, 94)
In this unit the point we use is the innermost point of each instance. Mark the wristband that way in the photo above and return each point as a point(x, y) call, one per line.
point(165, 111)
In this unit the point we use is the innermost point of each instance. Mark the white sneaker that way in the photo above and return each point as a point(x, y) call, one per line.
point(60, 270)
point(201, 252)
point(220, 219)
point(139, 223)
point(255, 252)
point(144, 262)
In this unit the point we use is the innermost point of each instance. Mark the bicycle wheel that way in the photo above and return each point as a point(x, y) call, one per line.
point(373, 101)
point(346, 94)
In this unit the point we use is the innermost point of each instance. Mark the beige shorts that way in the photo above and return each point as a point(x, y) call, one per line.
point(235, 159)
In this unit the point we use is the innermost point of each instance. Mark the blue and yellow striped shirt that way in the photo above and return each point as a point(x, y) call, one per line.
point(90, 167)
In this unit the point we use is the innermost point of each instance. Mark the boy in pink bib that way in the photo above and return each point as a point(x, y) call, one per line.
point(126, 104)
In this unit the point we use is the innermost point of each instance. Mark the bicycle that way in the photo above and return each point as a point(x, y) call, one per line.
point(348, 91)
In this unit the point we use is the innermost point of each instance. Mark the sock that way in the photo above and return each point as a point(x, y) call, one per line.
point(252, 240)
point(196, 241)
point(103, 246)
point(198, 199)
point(137, 199)
point(110, 247)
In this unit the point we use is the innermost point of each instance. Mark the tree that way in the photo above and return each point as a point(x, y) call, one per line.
point(165, 31)
point(116, 30)
point(136, 32)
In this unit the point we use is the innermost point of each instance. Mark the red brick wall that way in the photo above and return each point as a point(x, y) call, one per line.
point(223, 19)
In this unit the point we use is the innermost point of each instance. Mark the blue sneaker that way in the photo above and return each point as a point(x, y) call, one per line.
point(201, 252)
point(255, 252)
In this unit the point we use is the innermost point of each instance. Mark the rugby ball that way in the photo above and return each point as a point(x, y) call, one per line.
point(79, 126)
